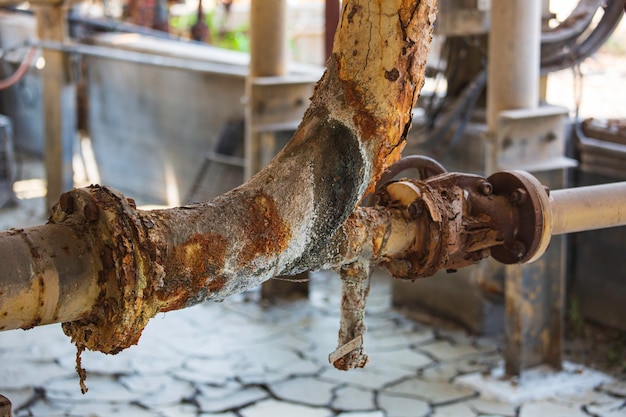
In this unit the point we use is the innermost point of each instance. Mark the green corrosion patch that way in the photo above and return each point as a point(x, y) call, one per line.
point(267, 233)
point(194, 271)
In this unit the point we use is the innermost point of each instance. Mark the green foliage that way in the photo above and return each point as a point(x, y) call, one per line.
point(236, 39)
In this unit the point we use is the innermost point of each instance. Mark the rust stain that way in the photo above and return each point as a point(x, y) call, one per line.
point(355, 9)
point(195, 264)
point(366, 122)
point(268, 233)
point(392, 75)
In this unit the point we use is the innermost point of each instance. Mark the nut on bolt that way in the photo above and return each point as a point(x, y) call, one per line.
point(91, 211)
point(518, 196)
point(66, 201)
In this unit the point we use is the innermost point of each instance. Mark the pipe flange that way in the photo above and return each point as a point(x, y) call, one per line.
point(534, 229)
point(127, 276)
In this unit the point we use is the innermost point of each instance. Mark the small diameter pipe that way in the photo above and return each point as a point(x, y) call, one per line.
point(588, 208)
point(21, 70)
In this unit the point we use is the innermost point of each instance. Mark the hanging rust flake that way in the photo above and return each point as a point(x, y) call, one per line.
point(268, 234)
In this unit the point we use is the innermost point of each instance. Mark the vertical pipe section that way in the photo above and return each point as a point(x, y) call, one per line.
point(268, 58)
point(588, 208)
point(534, 310)
point(268, 38)
point(514, 57)
point(331, 20)
point(59, 102)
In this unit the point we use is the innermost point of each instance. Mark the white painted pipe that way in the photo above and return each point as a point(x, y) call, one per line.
point(588, 208)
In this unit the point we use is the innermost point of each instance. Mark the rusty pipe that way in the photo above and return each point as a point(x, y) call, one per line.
point(588, 208)
point(41, 284)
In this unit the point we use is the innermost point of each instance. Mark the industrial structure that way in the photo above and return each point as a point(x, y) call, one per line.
point(338, 194)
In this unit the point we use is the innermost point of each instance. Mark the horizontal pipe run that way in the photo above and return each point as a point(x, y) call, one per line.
point(48, 276)
point(588, 208)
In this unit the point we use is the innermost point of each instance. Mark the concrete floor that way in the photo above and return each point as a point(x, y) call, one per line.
point(240, 358)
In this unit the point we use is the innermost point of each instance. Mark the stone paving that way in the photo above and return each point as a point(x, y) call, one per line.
point(241, 358)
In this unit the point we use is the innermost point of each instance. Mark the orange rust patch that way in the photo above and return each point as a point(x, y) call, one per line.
point(268, 233)
point(217, 284)
point(194, 265)
point(366, 122)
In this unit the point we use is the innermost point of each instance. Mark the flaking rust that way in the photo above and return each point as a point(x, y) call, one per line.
point(355, 286)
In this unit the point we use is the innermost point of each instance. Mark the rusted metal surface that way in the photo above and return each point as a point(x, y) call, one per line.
point(461, 219)
point(5, 407)
point(350, 353)
point(288, 218)
point(46, 276)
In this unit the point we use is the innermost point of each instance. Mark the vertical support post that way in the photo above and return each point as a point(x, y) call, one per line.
point(331, 20)
point(514, 62)
point(59, 103)
point(268, 58)
point(533, 293)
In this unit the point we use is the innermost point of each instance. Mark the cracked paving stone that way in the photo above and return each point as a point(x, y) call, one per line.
point(172, 393)
point(107, 410)
point(584, 396)
point(19, 397)
point(442, 372)
point(492, 407)
point(617, 388)
point(615, 408)
point(432, 391)
point(184, 410)
point(96, 362)
point(238, 399)
point(482, 363)
point(304, 390)
point(213, 392)
point(302, 367)
point(363, 414)
point(207, 371)
point(375, 342)
point(353, 399)
point(202, 346)
point(402, 358)
point(274, 408)
point(272, 359)
point(102, 388)
point(550, 409)
point(454, 410)
point(368, 377)
point(17, 374)
point(261, 378)
point(41, 408)
point(397, 406)
point(25, 342)
point(445, 351)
